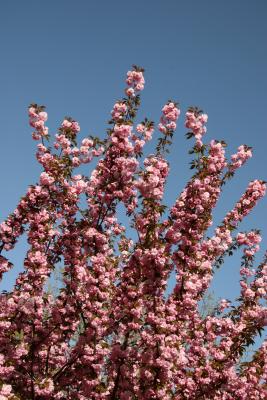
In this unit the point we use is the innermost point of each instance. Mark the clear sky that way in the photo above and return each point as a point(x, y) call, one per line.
point(72, 56)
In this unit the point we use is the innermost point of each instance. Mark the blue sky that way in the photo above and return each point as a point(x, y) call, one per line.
point(72, 56)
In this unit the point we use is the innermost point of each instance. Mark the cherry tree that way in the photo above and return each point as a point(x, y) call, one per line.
point(111, 332)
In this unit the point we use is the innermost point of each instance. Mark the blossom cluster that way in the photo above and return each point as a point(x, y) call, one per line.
point(144, 132)
point(251, 240)
point(136, 82)
point(119, 110)
point(170, 114)
point(238, 159)
point(37, 121)
point(151, 184)
point(195, 121)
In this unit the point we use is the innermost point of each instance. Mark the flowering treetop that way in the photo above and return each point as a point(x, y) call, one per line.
point(110, 332)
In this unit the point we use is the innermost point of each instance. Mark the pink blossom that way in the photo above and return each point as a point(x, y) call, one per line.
point(111, 330)
point(46, 179)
